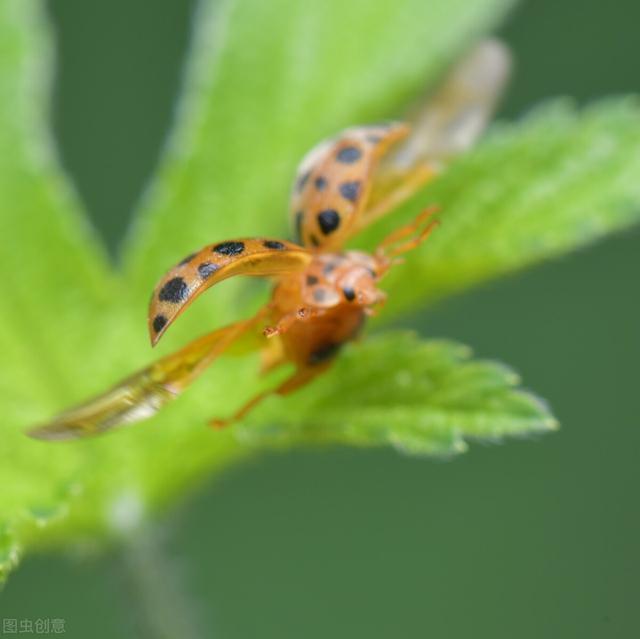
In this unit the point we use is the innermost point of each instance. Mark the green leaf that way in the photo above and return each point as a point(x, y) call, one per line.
point(420, 397)
point(51, 260)
point(553, 182)
point(56, 283)
point(266, 80)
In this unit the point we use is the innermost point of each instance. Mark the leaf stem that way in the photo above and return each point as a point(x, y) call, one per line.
point(154, 587)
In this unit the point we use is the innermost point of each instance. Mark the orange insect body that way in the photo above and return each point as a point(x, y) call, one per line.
point(320, 300)
point(322, 293)
point(324, 306)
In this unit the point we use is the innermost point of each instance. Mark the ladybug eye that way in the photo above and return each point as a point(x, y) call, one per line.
point(349, 293)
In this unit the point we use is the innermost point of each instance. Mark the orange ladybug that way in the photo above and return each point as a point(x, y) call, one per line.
point(322, 293)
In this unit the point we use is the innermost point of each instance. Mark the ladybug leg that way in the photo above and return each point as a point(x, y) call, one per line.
point(393, 191)
point(390, 248)
point(300, 378)
point(303, 313)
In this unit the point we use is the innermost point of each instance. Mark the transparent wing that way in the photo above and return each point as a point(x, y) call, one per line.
point(447, 124)
point(453, 118)
point(143, 394)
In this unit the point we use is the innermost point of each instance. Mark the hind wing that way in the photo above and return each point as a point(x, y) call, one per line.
point(446, 125)
point(144, 393)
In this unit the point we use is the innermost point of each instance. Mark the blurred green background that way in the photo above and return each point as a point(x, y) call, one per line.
point(530, 539)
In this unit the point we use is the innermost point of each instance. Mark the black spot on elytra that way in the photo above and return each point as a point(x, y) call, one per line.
point(174, 291)
point(298, 225)
point(187, 259)
point(348, 154)
point(350, 190)
point(323, 353)
point(314, 240)
point(320, 183)
point(274, 244)
point(159, 322)
point(328, 220)
point(302, 180)
point(206, 269)
point(349, 293)
point(229, 248)
point(312, 280)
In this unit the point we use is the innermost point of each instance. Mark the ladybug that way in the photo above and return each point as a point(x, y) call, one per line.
point(322, 293)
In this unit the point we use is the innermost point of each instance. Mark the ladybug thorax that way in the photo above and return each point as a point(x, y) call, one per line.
point(339, 278)
point(338, 287)
point(340, 284)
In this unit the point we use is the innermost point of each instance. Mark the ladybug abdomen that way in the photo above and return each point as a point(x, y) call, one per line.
point(319, 339)
point(334, 291)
